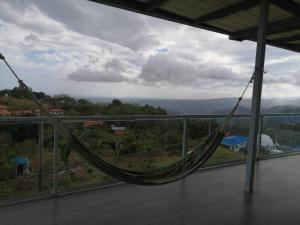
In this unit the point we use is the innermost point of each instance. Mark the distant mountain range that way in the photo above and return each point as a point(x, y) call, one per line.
point(212, 106)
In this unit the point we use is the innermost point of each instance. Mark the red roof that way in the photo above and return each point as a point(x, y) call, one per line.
point(55, 110)
point(92, 123)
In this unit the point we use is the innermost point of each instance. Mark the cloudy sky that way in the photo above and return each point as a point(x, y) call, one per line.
point(86, 49)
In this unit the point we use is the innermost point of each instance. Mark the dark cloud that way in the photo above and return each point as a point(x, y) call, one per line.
point(110, 74)
point(96, 20)
point(114, 65)
point(87, 74)
point(30, 40)
point(26, 15)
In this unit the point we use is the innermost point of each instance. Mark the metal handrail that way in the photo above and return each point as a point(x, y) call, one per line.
point(70, 119)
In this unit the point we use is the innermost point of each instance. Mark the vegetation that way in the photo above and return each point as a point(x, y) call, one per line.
point(16, 99)
point(143, 144)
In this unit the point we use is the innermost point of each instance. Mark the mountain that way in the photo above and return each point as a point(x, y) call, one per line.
point(212, 106)
point(240, 110)
point(282, 109)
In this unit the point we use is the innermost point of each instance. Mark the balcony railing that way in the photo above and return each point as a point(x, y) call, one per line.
point(177, 135)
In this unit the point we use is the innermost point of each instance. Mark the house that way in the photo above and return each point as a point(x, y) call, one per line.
point(22, 166)
point(22, 113)
point(37, 112)
point(118, 131)
point(3, 107)
point(238, 142)
point(56, 112)
point(235, 142)
point(92, 123)
point(4, 111)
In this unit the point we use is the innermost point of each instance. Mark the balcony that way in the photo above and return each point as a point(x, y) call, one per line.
point(45, 172)
point(84, 194)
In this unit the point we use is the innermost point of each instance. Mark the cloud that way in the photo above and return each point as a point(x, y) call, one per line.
point(163, 69)
point(93, 44)
point(30, 40)
point(87, 74)
point(100, 21)
point(114, 65)
point(112, 73)
point(277, 79)
point(159, 70)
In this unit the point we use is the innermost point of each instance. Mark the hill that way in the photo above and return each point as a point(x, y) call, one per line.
point(213, 106)
point(15, 100)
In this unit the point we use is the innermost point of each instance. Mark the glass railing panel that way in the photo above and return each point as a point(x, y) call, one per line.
point(135, 144)
point(25, 167)
point(280, 135)
point(231, 151)
point(140, 143)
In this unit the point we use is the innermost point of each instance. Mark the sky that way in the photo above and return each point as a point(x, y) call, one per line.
point(85, 49)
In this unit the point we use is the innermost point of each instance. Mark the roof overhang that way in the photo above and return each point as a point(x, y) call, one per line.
point(236, 18)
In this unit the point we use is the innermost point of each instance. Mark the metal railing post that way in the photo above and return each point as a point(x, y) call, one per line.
point(260, 130)
point(55, 160)
point(40, 156)
point(184, 138)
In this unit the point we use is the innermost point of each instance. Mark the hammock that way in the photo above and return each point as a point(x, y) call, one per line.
point(176, 171)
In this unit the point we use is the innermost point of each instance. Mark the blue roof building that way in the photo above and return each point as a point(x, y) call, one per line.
point(235, 142)
point(22, 165)
point(19, 160)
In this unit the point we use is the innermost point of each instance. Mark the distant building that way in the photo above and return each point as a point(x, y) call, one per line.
point(238, 142)
point(56, 112)
point(22, 113)
point(92, 123)
point(118, 130)
point(37, 112)
point(22, 166)
point(267, 142)
point(18, 113)
point(4, 111)
point(235, 142)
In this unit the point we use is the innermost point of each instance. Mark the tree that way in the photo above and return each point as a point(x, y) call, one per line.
point(116, 102)
point(7, 163)
point(64, 151)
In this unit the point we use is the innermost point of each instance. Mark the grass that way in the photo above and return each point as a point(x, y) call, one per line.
point(223, 155)
point(18, 104)
point(86, 175)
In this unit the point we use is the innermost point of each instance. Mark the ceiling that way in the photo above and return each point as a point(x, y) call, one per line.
point(236, 18)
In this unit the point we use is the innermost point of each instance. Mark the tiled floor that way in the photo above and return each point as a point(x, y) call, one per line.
point(210, 197)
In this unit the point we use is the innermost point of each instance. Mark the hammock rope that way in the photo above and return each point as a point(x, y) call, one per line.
point(171, 173)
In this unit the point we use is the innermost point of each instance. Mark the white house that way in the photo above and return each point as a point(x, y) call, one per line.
point(267, 142)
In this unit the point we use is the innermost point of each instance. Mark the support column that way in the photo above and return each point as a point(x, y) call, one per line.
point(256, 95)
